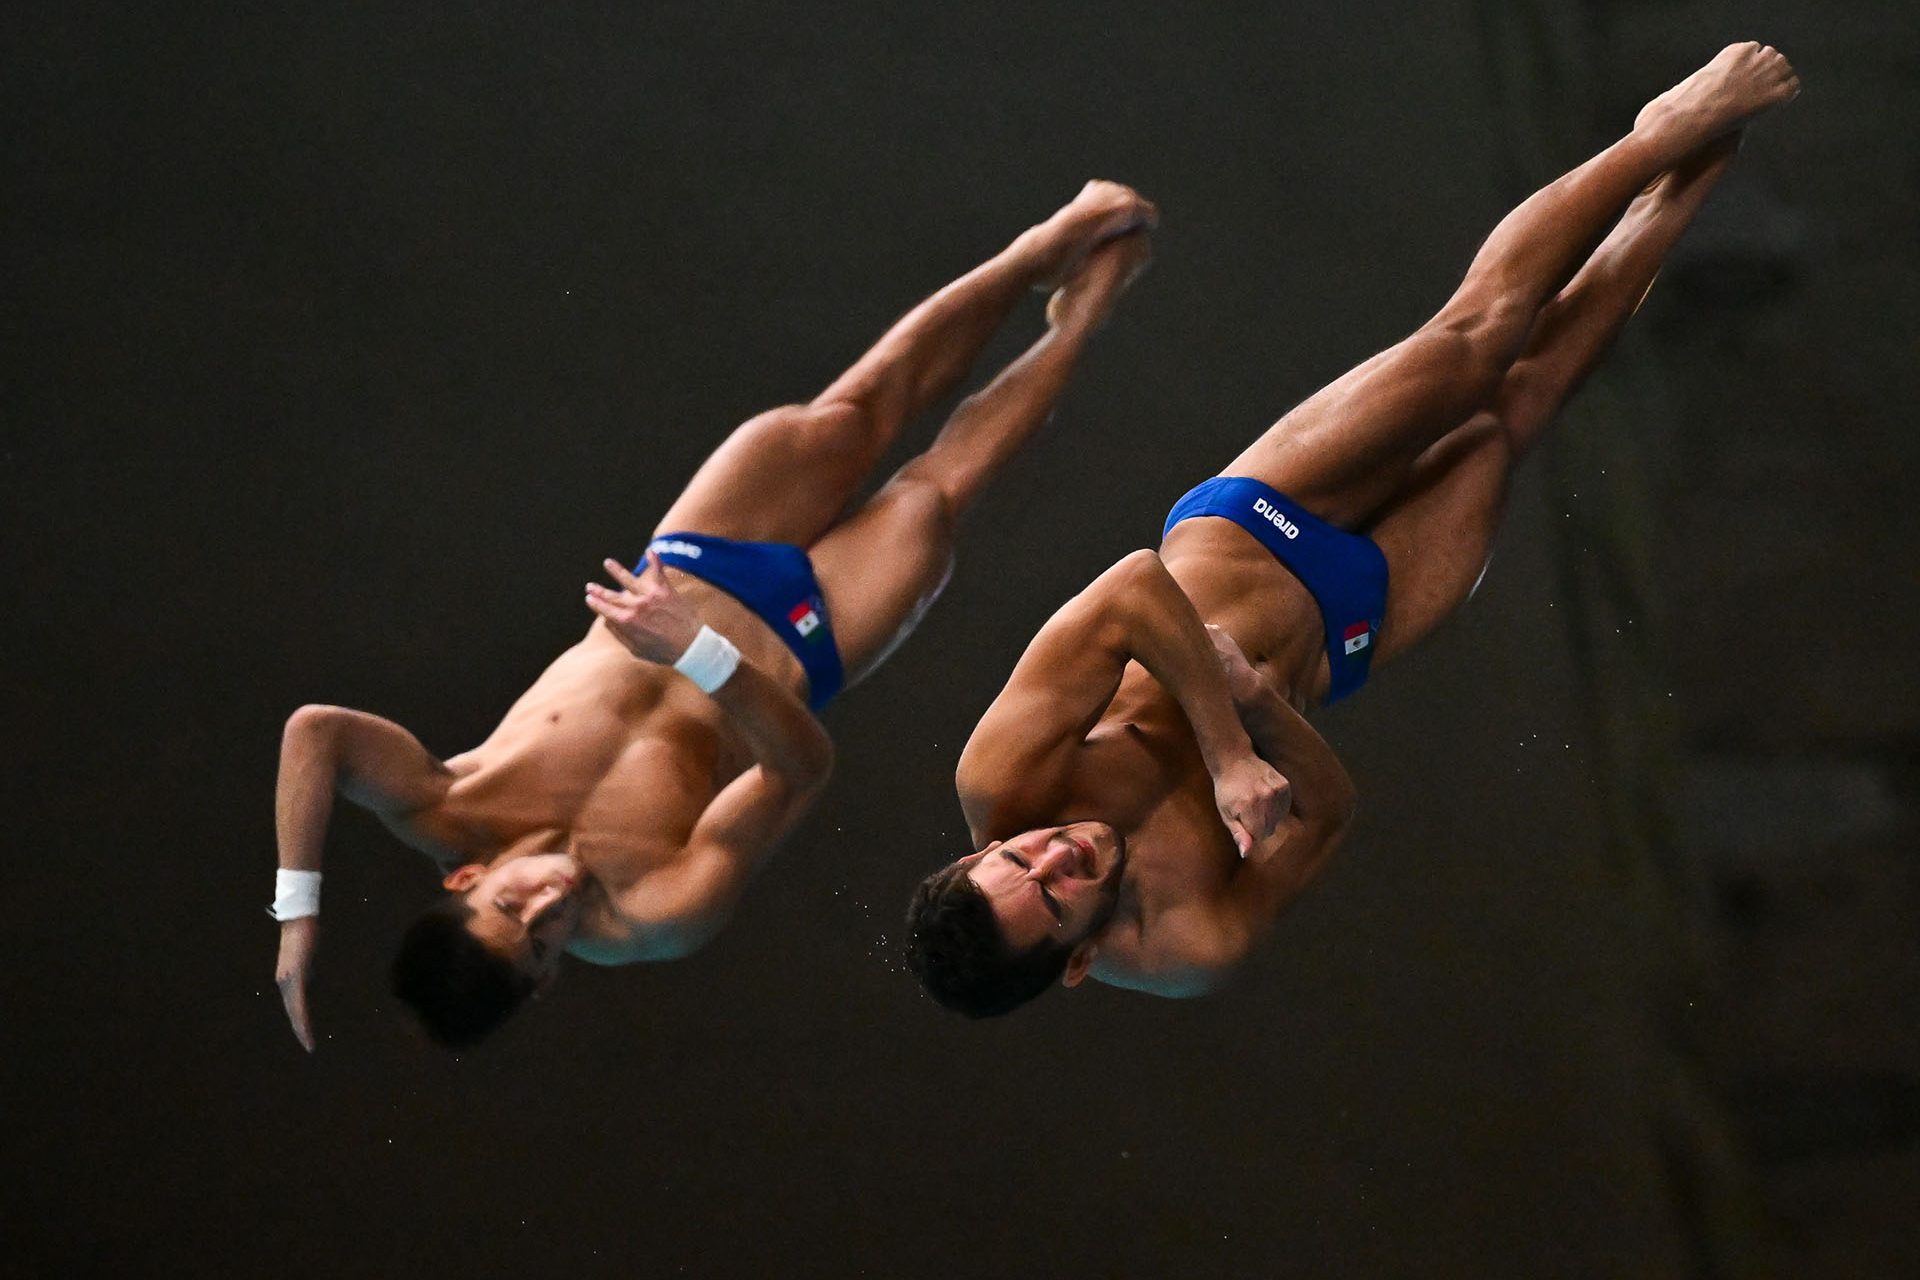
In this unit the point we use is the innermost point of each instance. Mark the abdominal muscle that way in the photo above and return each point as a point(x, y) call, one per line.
point(1235, 583)
point(605, 755)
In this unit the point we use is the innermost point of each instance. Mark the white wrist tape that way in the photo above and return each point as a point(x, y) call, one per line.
point(709, 661)
point(296, 894)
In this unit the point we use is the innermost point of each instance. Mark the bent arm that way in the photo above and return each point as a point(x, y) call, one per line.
point(1016, 763)
point(685, 903)
point(373, 762)
point(1323, 803)
point(1162, 633)
point(656, 625)
point(790, 744)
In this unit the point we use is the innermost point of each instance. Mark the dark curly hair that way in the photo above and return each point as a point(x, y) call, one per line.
point(963, 960)
point(459, 989)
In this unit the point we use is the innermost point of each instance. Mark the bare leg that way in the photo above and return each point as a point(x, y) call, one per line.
point(1578, 327)
point(1438, 531)
point(789, 474)
point(1348, 449)
point(882, 567)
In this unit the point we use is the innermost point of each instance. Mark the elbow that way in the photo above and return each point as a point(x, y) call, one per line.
point(1338, 820)
point(817, 764)
point(315, 720)
point(1342, 805)
point(1126, 593)
point(1129, 571)
point(1343, 820)
point(1144, 563)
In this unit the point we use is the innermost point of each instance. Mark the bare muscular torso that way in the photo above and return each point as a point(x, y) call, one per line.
point(1140, 767)
point(614, 760)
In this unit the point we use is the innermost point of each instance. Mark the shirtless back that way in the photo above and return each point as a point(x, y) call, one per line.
point(617, 811)
point(1154, 723)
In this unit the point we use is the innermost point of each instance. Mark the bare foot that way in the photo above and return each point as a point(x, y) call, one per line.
point(1742, 81)
point(1101, 212)
point(1089, 295)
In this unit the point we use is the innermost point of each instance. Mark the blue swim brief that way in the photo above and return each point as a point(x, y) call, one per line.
point(1344, 572)
point(775, 581)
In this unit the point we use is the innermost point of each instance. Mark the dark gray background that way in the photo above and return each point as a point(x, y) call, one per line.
point(343, 341)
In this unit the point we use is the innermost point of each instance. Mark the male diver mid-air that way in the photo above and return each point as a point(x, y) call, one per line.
point(617, 811)
point(1145, 795)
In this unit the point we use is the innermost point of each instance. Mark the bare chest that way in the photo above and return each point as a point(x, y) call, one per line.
point(604, 755)
point(1141, 770)
point(1146, 767)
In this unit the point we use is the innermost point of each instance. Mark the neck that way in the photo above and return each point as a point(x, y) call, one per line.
point(546, 840)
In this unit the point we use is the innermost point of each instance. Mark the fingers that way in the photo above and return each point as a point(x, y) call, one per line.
point(622, 575)
point(294, 993)
point(652, 579)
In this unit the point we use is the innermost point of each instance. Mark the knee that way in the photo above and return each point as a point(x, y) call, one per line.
point(1477, 346)
point(866, 423)
point(1482, 441)
point(923, 499)
point(1483, 456)
point(840, 429)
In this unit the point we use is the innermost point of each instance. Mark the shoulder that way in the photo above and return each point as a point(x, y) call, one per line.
point(1008, 782)
point(656, 919)
point(1185, 951)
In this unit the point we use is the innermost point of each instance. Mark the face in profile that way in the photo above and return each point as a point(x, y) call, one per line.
point(1055, 885)
point(524, 909)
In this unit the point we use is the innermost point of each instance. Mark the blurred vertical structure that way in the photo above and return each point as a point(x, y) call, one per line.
point(1602, 464)
point(1738, 556)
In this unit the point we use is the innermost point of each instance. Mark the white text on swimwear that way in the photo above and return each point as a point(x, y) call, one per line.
point(674, 547)
point(1262, 507)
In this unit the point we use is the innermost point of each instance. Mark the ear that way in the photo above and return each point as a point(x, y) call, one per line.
point(1079, 963)
point(461, 879)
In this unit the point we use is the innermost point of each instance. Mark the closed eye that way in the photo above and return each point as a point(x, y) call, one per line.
point(1046, 895)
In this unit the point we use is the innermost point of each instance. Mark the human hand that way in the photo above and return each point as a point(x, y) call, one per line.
point(646, 613)
point(1253, 799)
point(298, 938)
point(1244, 683)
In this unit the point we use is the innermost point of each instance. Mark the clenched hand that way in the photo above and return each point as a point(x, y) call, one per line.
point(1253, 800)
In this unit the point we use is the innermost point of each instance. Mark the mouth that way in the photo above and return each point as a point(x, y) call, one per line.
point(1087, 861)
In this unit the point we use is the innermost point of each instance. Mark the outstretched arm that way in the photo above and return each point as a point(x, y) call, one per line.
point(1021, 751)
point(374, 763)
point(1322, 793)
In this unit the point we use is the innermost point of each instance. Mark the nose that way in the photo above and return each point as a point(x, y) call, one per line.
point(541, 903)
point(1055, 860)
